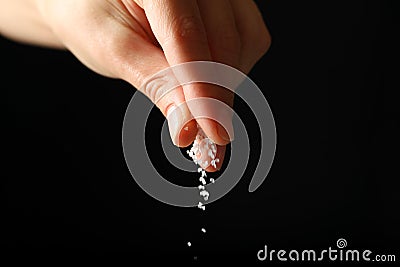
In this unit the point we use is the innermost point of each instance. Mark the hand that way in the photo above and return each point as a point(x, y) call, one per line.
point(134, 39)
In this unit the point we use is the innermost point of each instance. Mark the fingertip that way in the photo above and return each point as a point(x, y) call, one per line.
point(223, 135)
point(216, 131)
point(220, 156)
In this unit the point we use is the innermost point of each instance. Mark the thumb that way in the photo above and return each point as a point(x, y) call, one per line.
point(143, 69)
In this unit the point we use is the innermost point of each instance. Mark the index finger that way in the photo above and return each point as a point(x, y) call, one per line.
point(178, 27)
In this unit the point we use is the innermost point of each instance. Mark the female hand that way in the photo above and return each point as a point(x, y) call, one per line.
point(134, 39)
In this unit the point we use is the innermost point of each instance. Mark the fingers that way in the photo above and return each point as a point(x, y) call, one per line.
point(254, 35)
point(223, 37)
point(136, 62)
point(224, 44)
point(179, 28)
point(182, 127)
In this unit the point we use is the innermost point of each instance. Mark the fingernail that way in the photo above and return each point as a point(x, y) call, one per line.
point(222, 133)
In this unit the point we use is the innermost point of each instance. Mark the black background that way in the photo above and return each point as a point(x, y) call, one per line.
point(330, 78)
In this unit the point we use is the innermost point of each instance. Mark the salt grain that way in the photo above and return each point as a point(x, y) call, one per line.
point(203, 181)
point(203, 230)
point(204, 194)
point(201, 206)
point(189, 244)
point(213, 163)
point(212, 180)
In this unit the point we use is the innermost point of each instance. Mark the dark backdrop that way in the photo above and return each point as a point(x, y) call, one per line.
point(330, 78)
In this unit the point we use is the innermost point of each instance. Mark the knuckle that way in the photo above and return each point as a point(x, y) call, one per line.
point(187, 26)
point(153, 88)
point(157, 87)
point(263, 42)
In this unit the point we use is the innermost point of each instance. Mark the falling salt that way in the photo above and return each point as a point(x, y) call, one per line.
point(202, 180)
point(189, 244)
point(201, 206)
point(204, 194)
point(203, 152)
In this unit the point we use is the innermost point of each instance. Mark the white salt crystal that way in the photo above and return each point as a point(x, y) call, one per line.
point(213, 163)
point(205, 194)
point(203, 230)
point(201, 206)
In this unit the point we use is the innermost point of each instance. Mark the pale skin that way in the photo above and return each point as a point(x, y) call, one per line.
point(134, 39)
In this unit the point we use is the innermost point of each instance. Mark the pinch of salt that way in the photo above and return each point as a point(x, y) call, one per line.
point(199, 169)
point(202, 180)
point(212, 180)
point(201, 187)
point(203, 174)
